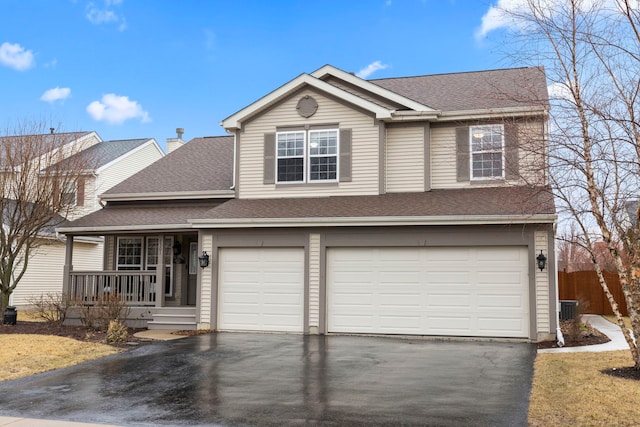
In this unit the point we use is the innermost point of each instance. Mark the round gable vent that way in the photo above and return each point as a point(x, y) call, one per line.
point(307, 106)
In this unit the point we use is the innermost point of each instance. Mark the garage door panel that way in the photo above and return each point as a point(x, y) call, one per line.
point(478, 291)
point(261, 289)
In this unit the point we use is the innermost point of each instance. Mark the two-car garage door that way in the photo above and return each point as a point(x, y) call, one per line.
point(469, 291)
point(477, 291)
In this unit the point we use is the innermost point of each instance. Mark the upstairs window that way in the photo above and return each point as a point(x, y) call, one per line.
point(307, 156)
point(291, 154)
point(487, 151)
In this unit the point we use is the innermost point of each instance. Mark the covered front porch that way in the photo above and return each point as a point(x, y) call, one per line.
point(155, 275)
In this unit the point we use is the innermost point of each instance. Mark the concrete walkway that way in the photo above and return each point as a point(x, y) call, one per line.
point(603, 325)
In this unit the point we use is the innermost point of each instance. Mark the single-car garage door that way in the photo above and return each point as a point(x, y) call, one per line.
point(468, 291)
point(261, 289)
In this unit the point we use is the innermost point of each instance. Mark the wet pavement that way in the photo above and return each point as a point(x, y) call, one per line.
point(234, 379)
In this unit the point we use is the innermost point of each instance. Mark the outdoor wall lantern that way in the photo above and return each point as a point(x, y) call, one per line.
point(542, 261)
point(204, 259)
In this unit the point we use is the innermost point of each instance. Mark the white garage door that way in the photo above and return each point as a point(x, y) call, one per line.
point(479, 291)
point(261, 289)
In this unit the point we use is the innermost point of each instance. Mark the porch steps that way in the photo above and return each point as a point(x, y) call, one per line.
point(173, 319)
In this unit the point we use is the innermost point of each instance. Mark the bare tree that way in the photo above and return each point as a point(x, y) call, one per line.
point(39, 171)
point(591, 52)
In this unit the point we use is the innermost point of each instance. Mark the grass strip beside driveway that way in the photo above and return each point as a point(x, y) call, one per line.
point(23, 355)
point(570, 389)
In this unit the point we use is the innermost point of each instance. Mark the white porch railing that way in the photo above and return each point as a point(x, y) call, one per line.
point(134, 287)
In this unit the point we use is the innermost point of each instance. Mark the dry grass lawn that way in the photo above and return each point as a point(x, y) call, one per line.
point(569, 389)
point(29, 354)
point(25, 355)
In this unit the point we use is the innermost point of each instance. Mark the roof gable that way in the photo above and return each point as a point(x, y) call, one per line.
point(235, 121)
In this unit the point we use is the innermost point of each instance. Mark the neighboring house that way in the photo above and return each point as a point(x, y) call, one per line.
point(113, 161)
point(412, 205)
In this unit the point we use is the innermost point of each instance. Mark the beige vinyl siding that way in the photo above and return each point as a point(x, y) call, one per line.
point(443, 158)
point(365, 150)
point(205, 294)
point(404, 159)
point(531, 152)
point(126, 166)
point(314, 280)
point(45, 270)
point(543, 311)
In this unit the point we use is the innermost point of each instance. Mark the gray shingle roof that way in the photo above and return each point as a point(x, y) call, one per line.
point(478, 90)
point(507, 201)
point(107, 151)
point(139, 216)
point(436, 203)
point(202, 164)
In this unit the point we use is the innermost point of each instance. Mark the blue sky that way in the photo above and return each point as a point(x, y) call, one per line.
point(141, 68)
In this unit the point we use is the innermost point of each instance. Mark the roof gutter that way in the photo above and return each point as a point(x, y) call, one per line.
point(122, 228)
point(373, 221)
point(168, 195)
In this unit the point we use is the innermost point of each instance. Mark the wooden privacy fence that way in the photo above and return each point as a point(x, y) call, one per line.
point(585, 287)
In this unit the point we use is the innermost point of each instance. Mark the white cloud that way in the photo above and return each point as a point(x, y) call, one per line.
point(498, 16)
point(106, 15)
point(370, 69)
point(501, 15)
point(559, 91)
point(15, 56)
point(116, 109)
point(56, 94)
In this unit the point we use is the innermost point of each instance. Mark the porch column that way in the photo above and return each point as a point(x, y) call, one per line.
point(68, 266)
point(160, 275)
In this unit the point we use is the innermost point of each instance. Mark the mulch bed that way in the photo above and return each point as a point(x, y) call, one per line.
point(79, 333)
point(588, 336)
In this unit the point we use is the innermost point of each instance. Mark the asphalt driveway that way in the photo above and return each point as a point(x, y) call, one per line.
point(233, 379)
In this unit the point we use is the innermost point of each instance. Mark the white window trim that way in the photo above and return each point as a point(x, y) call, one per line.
point(142, 253)
point(474, 129)
point(306, 169)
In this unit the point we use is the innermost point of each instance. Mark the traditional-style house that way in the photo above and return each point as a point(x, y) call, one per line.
point(413, 205)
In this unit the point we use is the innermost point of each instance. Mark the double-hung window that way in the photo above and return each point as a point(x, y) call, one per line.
point(307, 156)
point(487, 151)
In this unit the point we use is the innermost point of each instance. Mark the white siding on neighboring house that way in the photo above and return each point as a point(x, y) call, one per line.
point(404, 159)
point(365, 150)
point(45, 271)
point(126, 166)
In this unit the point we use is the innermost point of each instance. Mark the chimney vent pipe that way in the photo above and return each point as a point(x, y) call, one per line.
point(180, 132)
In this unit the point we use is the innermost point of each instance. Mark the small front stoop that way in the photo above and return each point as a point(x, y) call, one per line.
point(173, 319)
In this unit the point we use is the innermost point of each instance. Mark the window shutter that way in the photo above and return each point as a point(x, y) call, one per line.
point(269, 158)
point(345, 155)
point(511, 160)
point(80, 192)
point(462, 154)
